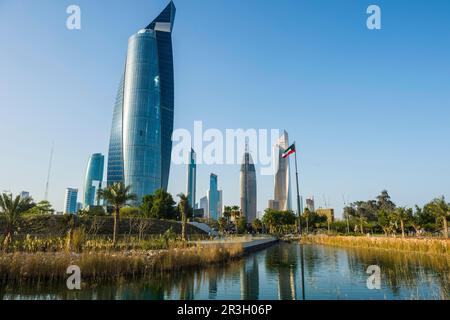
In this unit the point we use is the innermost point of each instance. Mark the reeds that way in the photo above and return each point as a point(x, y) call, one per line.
point(421, 245)
point(51, 267)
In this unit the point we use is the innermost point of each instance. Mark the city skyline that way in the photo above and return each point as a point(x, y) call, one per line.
point(367, 112)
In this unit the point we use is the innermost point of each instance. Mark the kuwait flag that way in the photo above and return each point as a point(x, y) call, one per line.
point(288, 151)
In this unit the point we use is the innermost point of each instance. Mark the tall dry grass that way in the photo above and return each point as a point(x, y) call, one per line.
point(425, 245)
point(23, 267)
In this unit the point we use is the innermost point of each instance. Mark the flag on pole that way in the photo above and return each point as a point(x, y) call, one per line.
point(288, 151)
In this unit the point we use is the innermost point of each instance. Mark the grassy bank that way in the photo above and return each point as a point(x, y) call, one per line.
point(22, 267)
point(426, 245)
point(59, 225)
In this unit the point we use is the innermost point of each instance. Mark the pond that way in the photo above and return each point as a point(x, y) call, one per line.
point(275, 273)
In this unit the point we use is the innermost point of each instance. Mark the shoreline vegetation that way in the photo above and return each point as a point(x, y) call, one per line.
point(98, 266)
point(432, 246)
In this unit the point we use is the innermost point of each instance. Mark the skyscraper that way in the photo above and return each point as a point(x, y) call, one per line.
point(282, 183)
point(248, 188)
point(191, 178)
point(140, 143)
point(24, 194)
point(213, 198)
point(70, 200)
point(93, 179)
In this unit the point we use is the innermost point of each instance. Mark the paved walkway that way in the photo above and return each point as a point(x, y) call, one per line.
point(249, 243)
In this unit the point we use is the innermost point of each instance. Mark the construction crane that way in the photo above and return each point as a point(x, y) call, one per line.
point(48, 172)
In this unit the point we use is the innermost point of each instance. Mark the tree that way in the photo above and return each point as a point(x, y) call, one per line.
point(402, 215)
point(257, 225)
point(12, 208)
point(147, 205)
point(361, 214)
point(307, 215)
point(222, 224)
point(163, 206)
point(441, 210)
point(275, 220)
point(227, 210)
point(41, 208)
point(241, 225)
point(421, 219)
point(184, 210)
point(386, 221)
point(384, 202)
point(116, 195)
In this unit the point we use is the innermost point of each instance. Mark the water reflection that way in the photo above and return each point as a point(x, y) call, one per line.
point(330, 273)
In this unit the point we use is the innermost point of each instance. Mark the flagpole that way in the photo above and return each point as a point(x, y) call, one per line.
point(300, 226)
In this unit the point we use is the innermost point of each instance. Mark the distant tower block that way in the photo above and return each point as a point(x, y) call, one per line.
point(248, 188)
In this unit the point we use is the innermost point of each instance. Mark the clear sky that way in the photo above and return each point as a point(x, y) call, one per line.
point(369, 109)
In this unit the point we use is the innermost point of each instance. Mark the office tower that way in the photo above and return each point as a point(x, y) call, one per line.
point(310, 204)
point(24, 194)
point(213, 198)
point(140, 143)
point(204, 205)
point(248, 188)
point(191, 178)
point(70, 200)
point(282, 185)
point(93, 179)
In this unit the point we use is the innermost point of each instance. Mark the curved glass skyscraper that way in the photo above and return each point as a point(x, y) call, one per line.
point(93, 179)
point(140, 143)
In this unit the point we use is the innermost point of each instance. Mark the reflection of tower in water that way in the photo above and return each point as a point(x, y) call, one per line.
point(250, 280)
point(286, 283)
point(212, 284)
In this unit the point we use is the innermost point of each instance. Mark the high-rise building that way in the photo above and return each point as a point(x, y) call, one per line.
point(248, 188)
point(214, 198)
point(140, 143)
point(191, 178)
point(70, 200)
point(93, 179)
point(310, 204)
point(204, 205)
point(24, 194)
point(282, 185)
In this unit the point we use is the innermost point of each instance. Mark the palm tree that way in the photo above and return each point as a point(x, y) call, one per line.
point(441, 210)
point(116, 195)
point(12, 208)
point(184, 209)
point(227, 212)
point(402, 214)
point(307, 214)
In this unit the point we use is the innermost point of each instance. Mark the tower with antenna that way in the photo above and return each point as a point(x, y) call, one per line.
point(48, 172)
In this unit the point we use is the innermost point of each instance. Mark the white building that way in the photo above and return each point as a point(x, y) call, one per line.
point(282, 181)
point(70, 201)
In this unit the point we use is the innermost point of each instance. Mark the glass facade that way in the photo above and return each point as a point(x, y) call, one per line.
point(93, 179)
point(141, 135)
point(213, 204)
point(191, 179)
point(70, 200)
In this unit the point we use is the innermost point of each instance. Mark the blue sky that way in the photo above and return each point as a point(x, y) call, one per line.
point(369, 109)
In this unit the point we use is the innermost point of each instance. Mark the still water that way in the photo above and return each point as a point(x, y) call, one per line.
point(275, 273)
